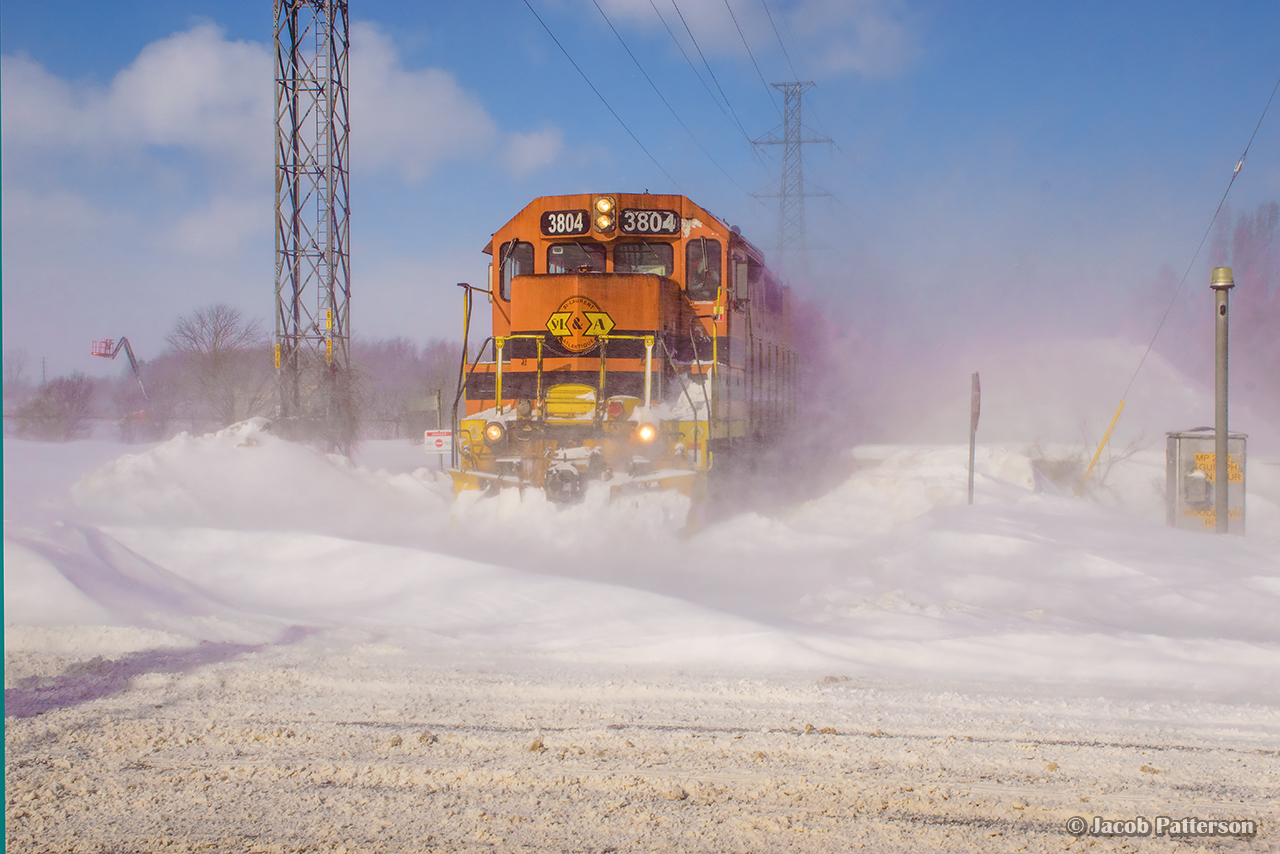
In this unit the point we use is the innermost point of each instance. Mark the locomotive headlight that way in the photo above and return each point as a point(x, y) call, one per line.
point(494, 432)
point(646, 432)
point(604, 213)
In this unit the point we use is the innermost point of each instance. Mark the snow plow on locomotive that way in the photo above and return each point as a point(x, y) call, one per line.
point(637, 339)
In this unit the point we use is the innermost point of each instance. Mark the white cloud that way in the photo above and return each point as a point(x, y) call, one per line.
point(408, 121)
point(710, 21)
point(193, 90)
point(224, 224)
point(105, 231)
point(37, 108)
point(197, 91)
point(528, 152)
point(874, 38)
point(62, 212)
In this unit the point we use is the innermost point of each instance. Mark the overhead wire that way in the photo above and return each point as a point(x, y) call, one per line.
point(603, 100)
point(664, 99)
point(810, 111)
point(817, 119)
point(794, 73)
point(1234, 174)
point(689, 60)
point(768, 90)
point(703, 56)
point(1173, 301)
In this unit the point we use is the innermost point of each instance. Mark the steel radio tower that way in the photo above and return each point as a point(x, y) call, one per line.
point(793, 253)
point(313, 269)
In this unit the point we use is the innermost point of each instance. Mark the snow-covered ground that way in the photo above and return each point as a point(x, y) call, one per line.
point(230, 642)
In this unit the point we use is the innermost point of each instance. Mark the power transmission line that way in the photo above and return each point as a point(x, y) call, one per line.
point(685, 54)
point(779, 36)
point(743, 36)
point(697, 47)
point(665, 101)
point(800, 56)
point(614, 112)
point(1234, 174)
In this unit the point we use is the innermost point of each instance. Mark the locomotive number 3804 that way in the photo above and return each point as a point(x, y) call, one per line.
point(650, 222)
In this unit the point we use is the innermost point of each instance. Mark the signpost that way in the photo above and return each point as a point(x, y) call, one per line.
point(975, 405)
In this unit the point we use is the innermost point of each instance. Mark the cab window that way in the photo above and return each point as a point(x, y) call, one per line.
point(515, 258)
point(657, 258)
point(702, 268)
point(579, 256)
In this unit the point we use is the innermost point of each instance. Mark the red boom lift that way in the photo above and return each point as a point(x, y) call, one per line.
point(109, 349)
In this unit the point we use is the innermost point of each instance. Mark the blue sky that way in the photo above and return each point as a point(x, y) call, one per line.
point(1002, 164)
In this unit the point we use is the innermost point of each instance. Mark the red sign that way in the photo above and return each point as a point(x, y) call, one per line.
point(438, 441)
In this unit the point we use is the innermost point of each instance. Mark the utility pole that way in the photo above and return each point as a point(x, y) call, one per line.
point(1222, 283)
point(315, 398)
point(793, 252)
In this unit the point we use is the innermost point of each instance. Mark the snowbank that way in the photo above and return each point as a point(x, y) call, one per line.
point(240, 537)
point(244, 477)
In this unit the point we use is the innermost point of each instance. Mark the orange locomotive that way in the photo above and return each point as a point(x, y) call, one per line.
point(637, 339)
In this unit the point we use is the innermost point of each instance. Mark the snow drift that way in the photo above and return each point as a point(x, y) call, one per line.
point(241, 537)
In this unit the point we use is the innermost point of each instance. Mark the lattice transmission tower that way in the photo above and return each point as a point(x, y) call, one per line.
point(792, 246)
point(313, 260)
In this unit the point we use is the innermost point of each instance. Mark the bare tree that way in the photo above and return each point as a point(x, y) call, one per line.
point(227, 362)
point(397, 378)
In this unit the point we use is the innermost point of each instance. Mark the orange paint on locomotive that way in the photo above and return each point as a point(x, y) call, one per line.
point(664, 290)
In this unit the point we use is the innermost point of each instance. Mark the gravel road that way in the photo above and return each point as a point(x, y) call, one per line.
point(336, 743)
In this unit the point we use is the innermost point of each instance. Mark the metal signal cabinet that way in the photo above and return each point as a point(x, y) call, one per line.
point(1189, 480)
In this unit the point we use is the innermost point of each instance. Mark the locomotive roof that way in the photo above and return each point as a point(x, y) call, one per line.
point(675, 201)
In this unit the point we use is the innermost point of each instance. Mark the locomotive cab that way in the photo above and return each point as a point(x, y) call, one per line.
point(619, 351)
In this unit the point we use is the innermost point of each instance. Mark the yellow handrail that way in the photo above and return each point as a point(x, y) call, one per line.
point(500, 342)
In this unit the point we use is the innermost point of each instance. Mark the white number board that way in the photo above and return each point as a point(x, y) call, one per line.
point(649, 222)
point(565, 222)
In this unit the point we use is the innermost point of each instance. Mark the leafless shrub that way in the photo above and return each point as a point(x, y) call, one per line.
point(59, 412)
point(17, 389)
point(1065, 469)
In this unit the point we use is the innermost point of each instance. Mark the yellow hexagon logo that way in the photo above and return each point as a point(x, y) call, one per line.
point(578, 323)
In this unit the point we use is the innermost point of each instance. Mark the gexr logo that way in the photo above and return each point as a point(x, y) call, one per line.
point(578, 322)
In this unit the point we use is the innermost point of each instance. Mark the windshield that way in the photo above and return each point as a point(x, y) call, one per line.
point(577, 257)
point(655, 258)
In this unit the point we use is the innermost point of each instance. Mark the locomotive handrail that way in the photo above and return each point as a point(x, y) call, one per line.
point(500, 341)
point(715, 374)
point(684, 386)
point(462, 386)
point(648, 362)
